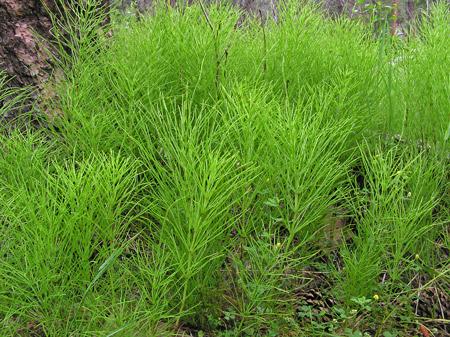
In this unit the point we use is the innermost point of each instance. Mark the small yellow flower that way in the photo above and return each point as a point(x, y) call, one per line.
point(417, 256)
point(278, 245)
point(376, 297)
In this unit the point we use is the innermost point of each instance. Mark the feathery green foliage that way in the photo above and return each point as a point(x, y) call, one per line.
point(201, 171)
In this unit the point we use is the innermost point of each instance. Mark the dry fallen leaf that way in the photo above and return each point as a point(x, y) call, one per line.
point(424, 331)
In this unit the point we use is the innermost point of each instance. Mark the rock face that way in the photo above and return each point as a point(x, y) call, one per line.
point(21, 56)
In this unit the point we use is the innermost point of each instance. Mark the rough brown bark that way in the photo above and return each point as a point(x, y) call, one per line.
point(24, 34)
point(21, 56)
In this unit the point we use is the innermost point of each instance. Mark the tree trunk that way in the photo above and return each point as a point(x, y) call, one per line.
point(21, 56)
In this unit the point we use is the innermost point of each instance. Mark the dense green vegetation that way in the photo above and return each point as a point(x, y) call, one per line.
point(195, 177)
